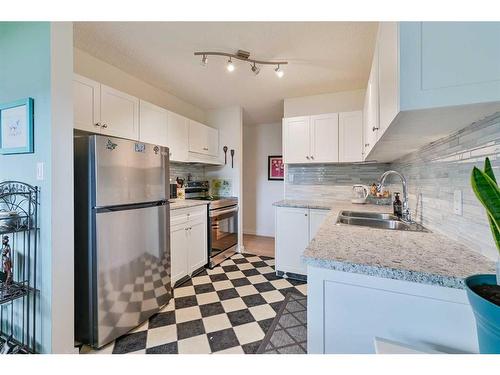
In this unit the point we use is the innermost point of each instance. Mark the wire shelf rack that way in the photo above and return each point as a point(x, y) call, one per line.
point(19, 233)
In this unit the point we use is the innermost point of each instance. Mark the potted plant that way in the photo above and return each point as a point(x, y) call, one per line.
point(483, 291)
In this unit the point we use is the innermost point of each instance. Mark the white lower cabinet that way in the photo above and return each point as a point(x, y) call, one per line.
point(295, 228)
point(188, 241)
point(347, 312)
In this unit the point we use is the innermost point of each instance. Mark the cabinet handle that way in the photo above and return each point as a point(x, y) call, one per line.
point(367, 144)
point(104, 126)
point(305, 214)
point(374, 128)
point(97, 124)
point(312, 157)
point(205, 148)
point(307, 157)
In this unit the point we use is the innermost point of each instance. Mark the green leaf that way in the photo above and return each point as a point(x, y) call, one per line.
point(495, 229)
point(488, 193)
point(489, 170)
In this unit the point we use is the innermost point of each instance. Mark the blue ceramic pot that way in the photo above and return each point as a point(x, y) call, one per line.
point(487, 315)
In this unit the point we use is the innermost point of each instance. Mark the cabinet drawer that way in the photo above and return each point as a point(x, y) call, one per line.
point(184, 215)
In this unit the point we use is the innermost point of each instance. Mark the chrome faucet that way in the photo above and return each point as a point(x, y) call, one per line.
point(406, 209)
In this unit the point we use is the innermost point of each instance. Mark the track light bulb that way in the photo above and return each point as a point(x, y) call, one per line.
point(279, 72)
point(230, 66)
point(204, 60)
point(255, 69)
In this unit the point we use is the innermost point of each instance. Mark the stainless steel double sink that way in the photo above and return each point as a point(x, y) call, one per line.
point(378, 220)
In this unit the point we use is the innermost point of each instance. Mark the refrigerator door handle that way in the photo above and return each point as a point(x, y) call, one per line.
point(126, 207)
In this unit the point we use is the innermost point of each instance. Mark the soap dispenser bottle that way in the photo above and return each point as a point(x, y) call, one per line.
point(397, 206)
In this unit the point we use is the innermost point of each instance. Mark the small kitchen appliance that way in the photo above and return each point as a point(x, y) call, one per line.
point(359, 194)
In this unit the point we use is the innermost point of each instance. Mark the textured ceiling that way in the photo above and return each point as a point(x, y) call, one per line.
point(323, 57)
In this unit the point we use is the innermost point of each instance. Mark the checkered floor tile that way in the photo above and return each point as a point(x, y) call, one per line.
point(225, 310)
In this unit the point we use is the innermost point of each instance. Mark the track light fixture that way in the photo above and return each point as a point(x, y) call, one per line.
point(279, 71)
point(243, 56)
point(255, 69)
point(230, 65)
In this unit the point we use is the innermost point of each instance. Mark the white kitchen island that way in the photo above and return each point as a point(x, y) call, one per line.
point(402, 286)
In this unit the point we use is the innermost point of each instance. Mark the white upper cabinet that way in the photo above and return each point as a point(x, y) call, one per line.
point(104, 110)
point(203, 139)
point(87, 104)
point(324, 138)
point(351, 136)
point(296, 140)
point(178, 134)
point(119, 113)
point(370, 110)
point(153, 122)
point(388, 71)
point(434, 78)
point(213, 141)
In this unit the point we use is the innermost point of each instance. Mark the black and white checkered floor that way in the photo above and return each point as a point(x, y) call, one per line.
point(225, 310)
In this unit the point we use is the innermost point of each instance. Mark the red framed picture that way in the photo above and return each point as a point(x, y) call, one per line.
point(275, 168)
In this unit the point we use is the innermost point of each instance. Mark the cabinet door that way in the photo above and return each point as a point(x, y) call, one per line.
point(178, 134)
point(351, 136)
point(388, 73)
point(179, 252)
point(86, 99)
point(119, 113)
point(296, 140)
point(325, 138)
point(197, 254)
point(153, 124)
point(213, 141)
point(198, 138)
point(371, 121)
point(316, 219)
point(292, 237)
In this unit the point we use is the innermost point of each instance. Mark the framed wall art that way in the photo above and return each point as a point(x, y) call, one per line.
point(275, 168)
point(16, 127)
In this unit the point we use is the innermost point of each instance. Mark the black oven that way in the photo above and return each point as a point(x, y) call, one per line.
point(222, 221)
point(223, 233)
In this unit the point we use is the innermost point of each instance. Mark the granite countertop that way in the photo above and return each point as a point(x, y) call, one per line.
point(176, 204)
point(423, 257)
point(318, 205)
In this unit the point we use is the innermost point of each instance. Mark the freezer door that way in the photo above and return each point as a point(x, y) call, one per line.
point(129, 172)
point(132, 267)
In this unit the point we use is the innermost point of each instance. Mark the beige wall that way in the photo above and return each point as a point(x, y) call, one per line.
point(344, 101)
point(260, 141)
point(98, 70)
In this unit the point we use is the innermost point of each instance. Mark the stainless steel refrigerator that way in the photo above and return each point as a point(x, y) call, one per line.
point(122, 235)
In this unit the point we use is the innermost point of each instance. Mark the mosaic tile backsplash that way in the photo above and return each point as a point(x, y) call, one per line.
point(183, 170)
point(433, 173)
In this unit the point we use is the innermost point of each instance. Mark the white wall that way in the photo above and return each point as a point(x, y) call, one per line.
point(343, 101)
point(98, 70)
point(230, 124)
point(63, 326)
point(260, 141)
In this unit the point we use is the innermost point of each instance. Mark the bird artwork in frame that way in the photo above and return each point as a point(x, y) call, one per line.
point(16, 127)
point(275, 168)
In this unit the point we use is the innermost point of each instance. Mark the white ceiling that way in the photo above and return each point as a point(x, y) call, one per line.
point(323, 57)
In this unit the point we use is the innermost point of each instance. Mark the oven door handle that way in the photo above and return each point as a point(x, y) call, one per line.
point(216, 213)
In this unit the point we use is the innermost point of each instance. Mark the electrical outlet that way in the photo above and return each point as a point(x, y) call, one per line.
point(39, 171)
point(457, 202)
